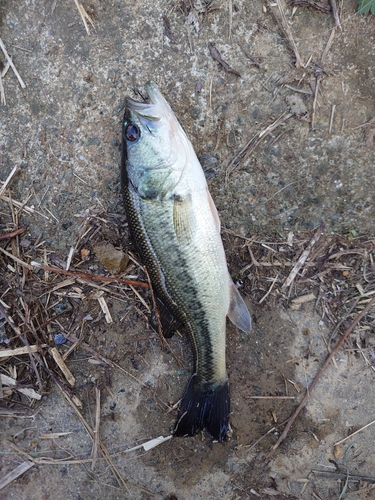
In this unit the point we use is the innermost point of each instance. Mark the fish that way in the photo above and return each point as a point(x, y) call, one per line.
point(175, 226)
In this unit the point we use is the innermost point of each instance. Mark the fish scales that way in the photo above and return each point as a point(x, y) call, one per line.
point(191, 283)
point(175, 226)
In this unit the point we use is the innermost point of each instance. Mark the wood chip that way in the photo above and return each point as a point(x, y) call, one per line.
point(61, 364)
point(103, 305)
point(304, 298)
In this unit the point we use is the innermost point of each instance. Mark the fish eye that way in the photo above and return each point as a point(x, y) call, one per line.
point(132, 133)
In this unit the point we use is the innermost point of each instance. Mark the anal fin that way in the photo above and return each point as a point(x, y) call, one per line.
point(238, 312)
point(169, 323)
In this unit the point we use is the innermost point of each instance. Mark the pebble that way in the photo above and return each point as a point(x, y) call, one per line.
point(115, 261)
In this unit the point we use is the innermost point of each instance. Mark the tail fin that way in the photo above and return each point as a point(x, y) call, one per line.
point(204, 407)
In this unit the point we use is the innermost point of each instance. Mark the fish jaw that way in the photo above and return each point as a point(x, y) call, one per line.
point(162, 141)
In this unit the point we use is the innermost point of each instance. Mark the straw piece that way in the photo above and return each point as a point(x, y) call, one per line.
point(18, 351)
point(2, 46)
point(17, 472)
point(9, 178)
point(4, 379)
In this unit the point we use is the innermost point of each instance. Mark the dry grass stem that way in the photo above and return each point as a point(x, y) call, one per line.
point(23, 207)
point(16, 259)
point(316, 90)
point(84, 16)
point(104, 307)
point(90, 432)
point(2, 92)
point(69, 259)
point(8, 180)
point(343, 476)
point(55, 435)
point(269, 290)
point(335, 13)
point(15, 473)
point(331, 118)
point(2, 46)
point(95, 446)
point(272, 397)
point(288, 34)
point(250, 446)
point(328, 46)
point(354, 433)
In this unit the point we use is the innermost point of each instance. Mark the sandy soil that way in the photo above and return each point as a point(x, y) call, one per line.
point(63, 130)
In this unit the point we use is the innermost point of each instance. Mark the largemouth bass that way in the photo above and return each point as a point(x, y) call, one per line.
point(176, 229)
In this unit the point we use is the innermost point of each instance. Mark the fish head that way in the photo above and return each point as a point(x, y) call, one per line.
point(152, 137)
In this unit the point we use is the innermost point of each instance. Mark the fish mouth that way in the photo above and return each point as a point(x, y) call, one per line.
point(151, 111)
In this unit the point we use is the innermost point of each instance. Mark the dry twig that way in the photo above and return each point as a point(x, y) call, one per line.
point(335, 13)
point(12, 234)
point(320, 373)
point(88, 276)
point(217, 56)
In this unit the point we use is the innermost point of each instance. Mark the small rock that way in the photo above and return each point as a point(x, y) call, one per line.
point(59, 339)
point(115, 261)
point(298, 107)
point(85, 254)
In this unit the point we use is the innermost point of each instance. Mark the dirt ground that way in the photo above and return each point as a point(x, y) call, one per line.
point(315, 164)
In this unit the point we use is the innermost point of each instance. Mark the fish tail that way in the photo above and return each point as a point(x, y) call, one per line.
point(204, 406)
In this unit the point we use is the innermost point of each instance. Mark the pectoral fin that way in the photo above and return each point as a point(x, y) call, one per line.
point(214, 211)
point(238, 312)
point(184, 220)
